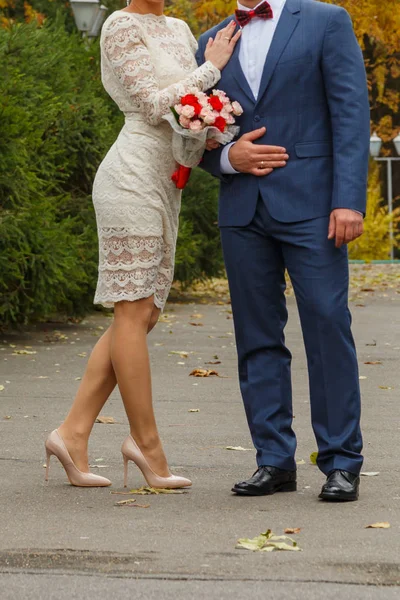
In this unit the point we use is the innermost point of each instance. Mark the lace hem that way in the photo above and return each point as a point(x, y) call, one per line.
point(133, 267)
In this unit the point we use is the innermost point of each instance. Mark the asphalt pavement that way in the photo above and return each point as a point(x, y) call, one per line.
point(60, 542)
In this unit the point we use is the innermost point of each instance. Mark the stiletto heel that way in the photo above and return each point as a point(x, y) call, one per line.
point(55, 445)
point(48, 454)
point(131, 451)
point(126, 461)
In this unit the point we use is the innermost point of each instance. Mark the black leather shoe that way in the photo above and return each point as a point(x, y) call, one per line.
point(267, 480)
point(340, 486)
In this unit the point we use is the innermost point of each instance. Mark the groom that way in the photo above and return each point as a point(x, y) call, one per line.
point(293, 193)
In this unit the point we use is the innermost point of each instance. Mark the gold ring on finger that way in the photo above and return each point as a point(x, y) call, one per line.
point(227, 38)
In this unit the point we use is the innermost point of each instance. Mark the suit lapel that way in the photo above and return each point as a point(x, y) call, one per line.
point(234, 69)
point(286, 25)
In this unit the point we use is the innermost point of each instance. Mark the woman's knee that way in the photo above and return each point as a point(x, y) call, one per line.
point(139, 312)
point(154, 318)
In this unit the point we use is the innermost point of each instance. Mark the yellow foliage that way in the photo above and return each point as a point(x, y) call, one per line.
point(374, 244)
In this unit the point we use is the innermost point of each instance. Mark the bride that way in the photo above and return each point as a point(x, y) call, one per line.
point(147, 65)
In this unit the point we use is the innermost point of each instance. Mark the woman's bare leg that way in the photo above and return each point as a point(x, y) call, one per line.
point(97, 384)
point(130, 359)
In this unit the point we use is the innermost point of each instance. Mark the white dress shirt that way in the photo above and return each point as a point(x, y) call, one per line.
point(255, 42)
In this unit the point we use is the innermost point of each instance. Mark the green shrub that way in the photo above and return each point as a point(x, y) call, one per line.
point(199, 253)
point(56, 124)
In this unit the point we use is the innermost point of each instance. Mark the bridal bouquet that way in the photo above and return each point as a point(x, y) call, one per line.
point(199, 117)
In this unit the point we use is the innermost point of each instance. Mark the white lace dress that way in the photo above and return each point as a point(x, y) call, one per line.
point(148, 64)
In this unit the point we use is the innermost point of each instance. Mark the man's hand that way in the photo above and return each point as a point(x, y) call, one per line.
point(345, 225)
point(258, 160)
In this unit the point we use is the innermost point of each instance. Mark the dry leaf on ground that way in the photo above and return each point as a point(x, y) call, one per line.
point(268, 542)
point(313, 458)
point(196, 324)
point(382, 525)
point(2, 388)
point(123, 502)
point(194, 410)
point(16, 352)
point(147, 491)
point(369, 473)
point(362, 377)
point(237, 448)
point(300, 462)
point(213, 362)
point(196, 316)
point(181, 353)
point(203, 373)
point(373, 362)
point(131, 502)
point(292, 530)
point(385, 387)
point(105, 420)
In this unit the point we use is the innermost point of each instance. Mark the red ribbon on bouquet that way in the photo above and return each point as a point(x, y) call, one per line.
point(181, 176)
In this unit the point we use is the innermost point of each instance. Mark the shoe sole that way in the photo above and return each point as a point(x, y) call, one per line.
point(285, 487)
point(336, 498)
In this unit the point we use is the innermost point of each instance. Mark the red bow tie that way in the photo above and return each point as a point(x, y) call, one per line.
point(263, 11)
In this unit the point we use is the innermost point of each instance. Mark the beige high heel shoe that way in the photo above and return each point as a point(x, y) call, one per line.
point(131, 451)
point(55, 446)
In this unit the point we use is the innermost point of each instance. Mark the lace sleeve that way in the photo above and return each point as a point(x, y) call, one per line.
point(131, 62)
point(191, 39)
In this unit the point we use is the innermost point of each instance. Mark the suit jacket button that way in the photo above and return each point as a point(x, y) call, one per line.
point(257, 118)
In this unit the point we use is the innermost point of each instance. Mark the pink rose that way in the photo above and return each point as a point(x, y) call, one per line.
point(209, 117)
point(195, 125)
point(203, 99)
point(187, 111)
point(229, 119)
point(184, 121)
point(227, 108)
point(237, 109)
point(178, 108)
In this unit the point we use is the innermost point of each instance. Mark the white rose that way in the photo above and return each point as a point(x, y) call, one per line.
point(195, 125)
point(187, 111)
point(184, 121)
point(237, 109)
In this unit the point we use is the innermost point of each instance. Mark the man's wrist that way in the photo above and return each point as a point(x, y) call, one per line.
point(225, 164)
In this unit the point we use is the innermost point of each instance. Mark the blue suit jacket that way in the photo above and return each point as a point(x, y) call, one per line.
point(313, 100)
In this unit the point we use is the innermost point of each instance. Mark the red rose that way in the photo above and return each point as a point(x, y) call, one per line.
point(191, 100)
point(215, 103)
point(220, 124)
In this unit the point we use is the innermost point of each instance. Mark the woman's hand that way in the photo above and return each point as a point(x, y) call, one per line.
point(220, 49)
point(212, 144)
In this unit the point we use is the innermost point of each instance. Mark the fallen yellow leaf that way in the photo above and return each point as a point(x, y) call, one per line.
point(292, 530)
point(268, 542)
point(313, 458)
point(194, 410)
point(105, 420)
point(383, 525)
point(147, 491)
point(203, 373)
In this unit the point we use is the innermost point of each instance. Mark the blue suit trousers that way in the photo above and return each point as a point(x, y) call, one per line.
point(256, 257)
